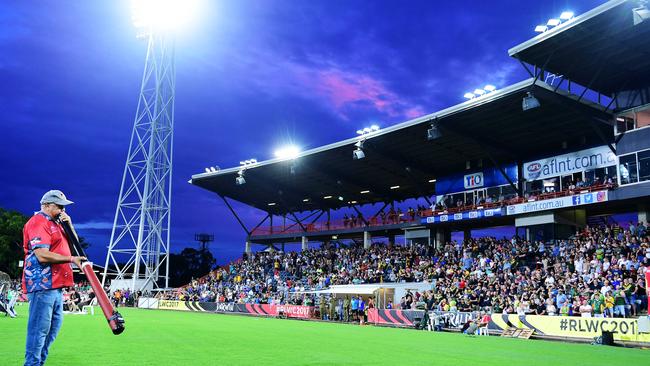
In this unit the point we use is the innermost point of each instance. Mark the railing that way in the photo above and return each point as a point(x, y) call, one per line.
point(335, 225)
point(401, 218)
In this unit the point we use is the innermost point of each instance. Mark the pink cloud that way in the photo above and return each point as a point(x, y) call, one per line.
point(343, 91)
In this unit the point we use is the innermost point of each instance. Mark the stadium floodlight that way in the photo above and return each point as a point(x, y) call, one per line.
point(155, 16)
point(305, 200)
point(394, 187)
point(271, 204)
point(541, 29)
point(432, 180)
point(248, 162)
point(566, 15)
point(207, 170)
point(479, 92)
point(340, 198)
point(490, 88)
point(553, 22)
point(529, 102)
point(469, 95)
point(327, 197)
point(364, 192)
point(368, 130)
point(287, 152)
point(641, 13)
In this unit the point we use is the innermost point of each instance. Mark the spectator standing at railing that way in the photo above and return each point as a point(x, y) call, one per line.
point(346, 309)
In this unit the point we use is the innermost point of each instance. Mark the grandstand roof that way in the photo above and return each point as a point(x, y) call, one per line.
point(601, 49)
point(492, 126)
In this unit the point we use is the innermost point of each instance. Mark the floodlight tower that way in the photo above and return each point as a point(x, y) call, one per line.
point(139, 244)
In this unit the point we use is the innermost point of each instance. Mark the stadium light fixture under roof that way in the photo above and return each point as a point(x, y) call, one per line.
point(641, 13)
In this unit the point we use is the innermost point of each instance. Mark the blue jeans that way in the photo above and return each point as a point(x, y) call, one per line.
point(45, 319)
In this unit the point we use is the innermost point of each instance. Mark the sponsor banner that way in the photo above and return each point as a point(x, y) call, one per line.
point(467, 215)
point(573, 327)
point(558, 203)
point(575, 162)
point(172, 305)
point(405, 318)
point(453, 319)
point(290, 311)
point(647, 286)
point(473, 180)
point(488, 177)
point(294, 311)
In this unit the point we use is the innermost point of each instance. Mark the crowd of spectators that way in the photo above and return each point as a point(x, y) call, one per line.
point(598, 272)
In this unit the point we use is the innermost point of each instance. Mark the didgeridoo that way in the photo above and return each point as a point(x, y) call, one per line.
point(115, 320)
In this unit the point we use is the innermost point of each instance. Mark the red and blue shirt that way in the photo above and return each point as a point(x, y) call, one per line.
point(41, 231)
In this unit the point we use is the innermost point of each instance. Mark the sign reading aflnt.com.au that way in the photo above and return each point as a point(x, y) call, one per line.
point(557, 203)
point(575, 162)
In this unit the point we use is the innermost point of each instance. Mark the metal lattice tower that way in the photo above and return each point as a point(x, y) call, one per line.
point(139, 245)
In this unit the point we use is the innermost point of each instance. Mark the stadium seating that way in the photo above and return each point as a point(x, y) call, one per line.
point(599, 271)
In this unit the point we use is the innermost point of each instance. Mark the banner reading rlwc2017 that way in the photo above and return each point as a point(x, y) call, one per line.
point(558, 203)
point(572, 327)
point(575, 162)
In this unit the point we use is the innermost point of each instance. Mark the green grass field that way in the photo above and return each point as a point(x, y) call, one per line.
point(155, 337)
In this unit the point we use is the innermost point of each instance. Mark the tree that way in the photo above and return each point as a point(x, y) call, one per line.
point(11, 241)
point(190, 263)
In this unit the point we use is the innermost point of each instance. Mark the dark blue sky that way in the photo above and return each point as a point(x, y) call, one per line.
point(251, 76)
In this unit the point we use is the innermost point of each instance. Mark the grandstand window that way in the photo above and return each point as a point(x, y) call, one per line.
point(644, 165)
point(625, 123)
point(566, 181)
point(508, 192)
point(551, 185)
point(534, 187)
point(601, 175)
point(627, 168)
point(638, 118)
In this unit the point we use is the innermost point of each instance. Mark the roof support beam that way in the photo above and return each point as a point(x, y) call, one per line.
point(248, 233)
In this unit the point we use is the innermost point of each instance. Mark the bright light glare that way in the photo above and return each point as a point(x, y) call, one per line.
point(163, 15)
point(566, 15)
point(469, 95)
point(479, 91)
point(287, 152)
point(541, 29)
point(553, 22)
point(490, 88)
point(374, 128)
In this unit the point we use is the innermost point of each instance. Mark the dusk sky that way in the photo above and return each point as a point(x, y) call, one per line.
point(251, 77)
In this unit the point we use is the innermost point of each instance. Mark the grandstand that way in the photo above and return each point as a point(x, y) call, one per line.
point(582, 153)
point(555, 157)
